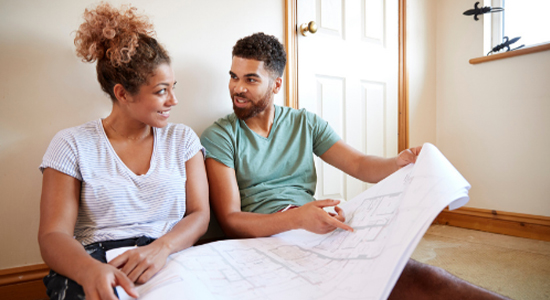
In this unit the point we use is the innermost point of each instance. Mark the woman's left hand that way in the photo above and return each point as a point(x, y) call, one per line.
point(408, 156)
point(142, 263)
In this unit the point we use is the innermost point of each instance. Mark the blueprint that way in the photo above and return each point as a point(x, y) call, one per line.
point(389, 219)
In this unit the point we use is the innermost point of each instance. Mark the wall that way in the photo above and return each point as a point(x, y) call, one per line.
point(492, 119)
point(44, 87)
point(421, 18)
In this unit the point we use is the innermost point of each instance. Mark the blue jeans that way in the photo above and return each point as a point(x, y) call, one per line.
point(60, 287)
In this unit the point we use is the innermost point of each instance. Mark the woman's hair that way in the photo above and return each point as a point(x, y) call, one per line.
point(122, 42)
point(263, 47)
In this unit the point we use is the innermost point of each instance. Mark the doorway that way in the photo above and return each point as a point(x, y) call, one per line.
point(351, 72)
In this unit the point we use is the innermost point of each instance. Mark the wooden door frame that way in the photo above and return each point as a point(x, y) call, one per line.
point(291, 79)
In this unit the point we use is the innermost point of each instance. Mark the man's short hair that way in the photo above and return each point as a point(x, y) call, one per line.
point(263, 47)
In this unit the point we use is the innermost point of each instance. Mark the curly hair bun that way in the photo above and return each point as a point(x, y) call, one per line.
point(111, 33)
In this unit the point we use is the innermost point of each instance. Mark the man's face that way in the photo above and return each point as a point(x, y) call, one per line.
point(251, 87)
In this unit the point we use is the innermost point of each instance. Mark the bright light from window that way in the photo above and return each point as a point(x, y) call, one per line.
point(529, 19)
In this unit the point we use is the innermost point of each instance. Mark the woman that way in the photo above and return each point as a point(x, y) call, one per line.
point(130, 179)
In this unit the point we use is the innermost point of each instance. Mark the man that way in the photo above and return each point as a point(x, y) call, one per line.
point(262, 175)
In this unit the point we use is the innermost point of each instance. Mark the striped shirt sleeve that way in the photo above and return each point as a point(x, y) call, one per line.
point(191, 144)
point(62, 155)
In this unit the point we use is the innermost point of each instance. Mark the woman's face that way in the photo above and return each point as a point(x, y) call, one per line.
point(152, 104)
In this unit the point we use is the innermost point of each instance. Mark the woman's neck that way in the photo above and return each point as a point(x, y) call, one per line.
point(121, 126)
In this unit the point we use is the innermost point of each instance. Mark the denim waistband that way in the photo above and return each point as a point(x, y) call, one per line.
point(108, 245)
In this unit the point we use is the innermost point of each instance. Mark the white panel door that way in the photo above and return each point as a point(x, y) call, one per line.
point(347, 74)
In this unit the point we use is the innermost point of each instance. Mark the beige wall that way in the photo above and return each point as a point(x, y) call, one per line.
point(45, 88)
point(421, 17)
point(492, 119)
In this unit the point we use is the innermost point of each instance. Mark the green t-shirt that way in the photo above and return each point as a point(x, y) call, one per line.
point(276, 171)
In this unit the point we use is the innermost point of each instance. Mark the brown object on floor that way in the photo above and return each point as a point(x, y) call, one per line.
point(515, 267)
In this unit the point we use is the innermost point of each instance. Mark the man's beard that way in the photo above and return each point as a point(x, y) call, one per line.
point(255, 109)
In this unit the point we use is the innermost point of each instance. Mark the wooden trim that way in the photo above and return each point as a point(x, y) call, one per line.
point(22, 274)
point(515, 224)
point(291, 79)
point(23, 282)
point(529, 50)
point(403, 82)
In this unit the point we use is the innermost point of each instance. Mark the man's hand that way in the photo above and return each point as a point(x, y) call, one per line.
point(408, 156)
point(142, 263)
point(315, 219)
point(102, 278)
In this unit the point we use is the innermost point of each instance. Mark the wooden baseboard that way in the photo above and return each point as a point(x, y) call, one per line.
point(515, 224)
point(23, 283)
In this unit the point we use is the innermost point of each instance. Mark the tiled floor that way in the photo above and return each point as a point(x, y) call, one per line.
point(515, 267)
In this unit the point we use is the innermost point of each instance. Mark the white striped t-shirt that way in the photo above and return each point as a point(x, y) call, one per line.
point(115, 203)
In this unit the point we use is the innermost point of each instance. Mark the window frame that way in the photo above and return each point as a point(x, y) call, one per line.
point(493, 35)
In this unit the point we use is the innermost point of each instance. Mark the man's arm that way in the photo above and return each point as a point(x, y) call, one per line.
point(226, 203)
point(367, 168)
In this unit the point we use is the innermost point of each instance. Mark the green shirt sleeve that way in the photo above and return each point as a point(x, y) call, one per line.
point(323, 135)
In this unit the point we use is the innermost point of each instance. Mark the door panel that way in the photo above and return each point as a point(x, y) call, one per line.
point(330, 105)
point(347, 74)
point(373, 19)
point(330, 17)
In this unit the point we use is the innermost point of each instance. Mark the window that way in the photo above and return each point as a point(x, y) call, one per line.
point(527, 19)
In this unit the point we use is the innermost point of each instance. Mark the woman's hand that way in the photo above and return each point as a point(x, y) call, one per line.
point(140, 264)
point(101, 279)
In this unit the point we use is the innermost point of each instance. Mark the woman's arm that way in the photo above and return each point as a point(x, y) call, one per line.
point(142, 263)
point(59, 249)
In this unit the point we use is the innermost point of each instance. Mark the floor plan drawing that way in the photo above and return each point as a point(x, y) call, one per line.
point(389, 220)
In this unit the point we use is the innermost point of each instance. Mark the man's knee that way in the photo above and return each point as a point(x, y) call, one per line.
point(422, 281)
point(419, 281)
point(424, 276)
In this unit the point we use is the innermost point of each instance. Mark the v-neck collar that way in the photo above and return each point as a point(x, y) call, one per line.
point(119, 160)
point(273, 126)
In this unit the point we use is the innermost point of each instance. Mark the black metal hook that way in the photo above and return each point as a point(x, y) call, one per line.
point(506, 44)
point(481, 10)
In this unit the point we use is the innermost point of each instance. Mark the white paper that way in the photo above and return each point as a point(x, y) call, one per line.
point(166, 281)
point(389, 220)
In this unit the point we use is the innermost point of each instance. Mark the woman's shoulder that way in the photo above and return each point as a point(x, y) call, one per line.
point(179, 139)
point(81, 132)
point(176, 131)
point(68, 145)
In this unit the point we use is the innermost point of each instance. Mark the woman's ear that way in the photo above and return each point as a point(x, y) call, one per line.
point(121, 94)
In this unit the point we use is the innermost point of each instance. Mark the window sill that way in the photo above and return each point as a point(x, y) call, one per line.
point(533, 49)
